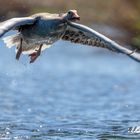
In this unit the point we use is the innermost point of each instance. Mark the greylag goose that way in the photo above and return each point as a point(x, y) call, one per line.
point(40, 31)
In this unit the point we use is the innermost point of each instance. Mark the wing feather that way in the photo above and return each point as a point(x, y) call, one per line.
point(15, 22)
point(78, 33)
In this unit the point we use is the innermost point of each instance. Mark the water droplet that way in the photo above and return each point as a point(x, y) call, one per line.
point(29, 110)
point(7, 132)
point(40, 126)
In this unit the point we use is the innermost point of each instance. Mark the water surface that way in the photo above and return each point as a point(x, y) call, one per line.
point(71, 92)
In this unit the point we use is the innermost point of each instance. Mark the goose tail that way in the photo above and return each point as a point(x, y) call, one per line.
point(11, 41)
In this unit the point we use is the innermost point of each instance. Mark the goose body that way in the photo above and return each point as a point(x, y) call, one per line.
point(40, 31)
point(48, 28)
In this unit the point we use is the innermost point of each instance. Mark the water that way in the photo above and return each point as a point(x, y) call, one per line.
point(71, 92)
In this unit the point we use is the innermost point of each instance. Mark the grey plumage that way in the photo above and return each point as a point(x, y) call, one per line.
point(13, 23)
point(38, 32)
point(79, 33)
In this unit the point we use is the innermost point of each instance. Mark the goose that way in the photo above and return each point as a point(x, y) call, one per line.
point(39, 31)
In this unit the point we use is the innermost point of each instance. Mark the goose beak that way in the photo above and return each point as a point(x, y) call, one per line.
point(75, 16)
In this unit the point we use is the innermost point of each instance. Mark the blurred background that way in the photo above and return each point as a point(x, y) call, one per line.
point(124, 14)
point(73, 92)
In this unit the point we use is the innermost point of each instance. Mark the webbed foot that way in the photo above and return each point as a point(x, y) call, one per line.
point(35, 55)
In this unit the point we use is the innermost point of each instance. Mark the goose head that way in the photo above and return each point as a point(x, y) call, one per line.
point(71, 15)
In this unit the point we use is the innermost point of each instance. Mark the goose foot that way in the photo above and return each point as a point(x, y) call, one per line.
point(35, 55)
point(19, 51)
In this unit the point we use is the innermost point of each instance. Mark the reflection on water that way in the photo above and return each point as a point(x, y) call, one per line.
point(70, 92)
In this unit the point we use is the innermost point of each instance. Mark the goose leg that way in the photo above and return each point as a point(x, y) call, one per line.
point(35, 55)
point(19, 51)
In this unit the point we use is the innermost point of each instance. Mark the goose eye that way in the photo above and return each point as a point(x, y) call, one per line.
point(69, 13)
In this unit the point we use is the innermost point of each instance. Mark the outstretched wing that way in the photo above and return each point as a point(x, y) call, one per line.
point(15, 22)
point(78, 33)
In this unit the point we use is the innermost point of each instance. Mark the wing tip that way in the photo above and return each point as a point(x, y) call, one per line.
point(135, 55)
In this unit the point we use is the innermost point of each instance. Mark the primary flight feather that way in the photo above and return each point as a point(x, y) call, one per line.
point(40, 31)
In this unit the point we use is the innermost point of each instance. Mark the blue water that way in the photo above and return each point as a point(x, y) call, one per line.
point(71, 92)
